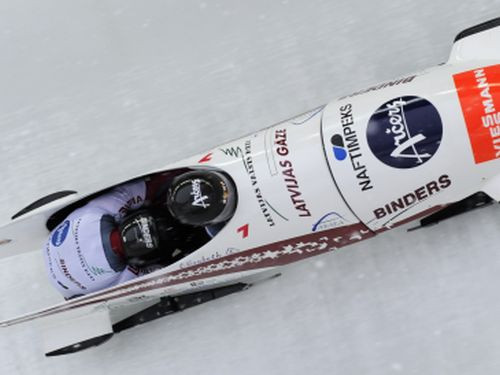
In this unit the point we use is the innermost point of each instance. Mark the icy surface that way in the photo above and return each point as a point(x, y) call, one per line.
point(95, 91)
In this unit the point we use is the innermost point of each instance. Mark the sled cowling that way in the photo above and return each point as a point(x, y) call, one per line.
point(479, 42)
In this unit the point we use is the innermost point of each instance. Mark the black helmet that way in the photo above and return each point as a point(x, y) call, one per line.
point(145, 238)
point(202, 197)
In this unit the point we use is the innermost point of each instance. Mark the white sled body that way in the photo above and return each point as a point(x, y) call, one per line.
point(338, 174)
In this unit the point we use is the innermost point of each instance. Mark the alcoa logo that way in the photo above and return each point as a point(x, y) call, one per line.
point(339, 150)
point(405, 132)
point(60, 234)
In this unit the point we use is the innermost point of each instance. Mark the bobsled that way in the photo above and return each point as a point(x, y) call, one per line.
point(422, 148)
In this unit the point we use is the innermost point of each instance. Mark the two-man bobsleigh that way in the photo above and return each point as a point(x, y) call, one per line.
point(425, 146)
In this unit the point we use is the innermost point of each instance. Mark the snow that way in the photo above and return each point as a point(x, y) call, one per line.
point(96, 91)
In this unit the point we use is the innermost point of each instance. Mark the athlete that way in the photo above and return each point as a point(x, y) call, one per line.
point(137, 228)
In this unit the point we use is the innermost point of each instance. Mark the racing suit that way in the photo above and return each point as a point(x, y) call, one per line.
point(80, 255)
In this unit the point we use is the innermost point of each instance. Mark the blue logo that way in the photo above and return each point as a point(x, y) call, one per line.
point(405, 132)
point(330, 220)
point(60, 234)
point(339, 150)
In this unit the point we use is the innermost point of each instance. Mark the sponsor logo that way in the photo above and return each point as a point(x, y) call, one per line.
point(245, 154)
point(243, 230)
point(97, 271)
point(199, 200)
point(131, 204)
point(64, 269)
point(479, 95)
point(288, 173)
point(235, 152)
point(83, 262)
point(248, 162)
point(348, 144)
point(328, 221)
point(416, 196)
point(146, 232)
point(405, 132)
point(381, 86)
point(339, 150)
point(206, 258)
point(60, 234)
point(50, 265)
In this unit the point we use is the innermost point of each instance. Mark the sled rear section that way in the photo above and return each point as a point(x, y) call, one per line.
point(26, 231)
